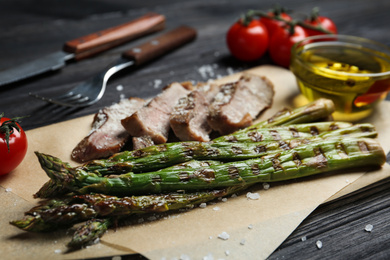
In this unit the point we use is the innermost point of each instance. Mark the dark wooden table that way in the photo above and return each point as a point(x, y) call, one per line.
point(30, 29)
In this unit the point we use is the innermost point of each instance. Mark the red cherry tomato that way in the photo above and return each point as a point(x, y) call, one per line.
point(12, 157)
point(281, 43)
point(247, 43)
point(323, 22)
point(272, 24)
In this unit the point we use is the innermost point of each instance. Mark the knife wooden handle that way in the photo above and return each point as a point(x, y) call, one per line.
point(161, 45)
point(94, 43)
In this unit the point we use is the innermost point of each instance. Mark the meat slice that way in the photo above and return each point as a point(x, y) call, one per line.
point(238, 103)
point(152, 120)
point(107, 135)
point(141, 142)
point(189, 117)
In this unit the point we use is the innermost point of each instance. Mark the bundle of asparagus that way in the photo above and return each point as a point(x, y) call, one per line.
point(291, 144)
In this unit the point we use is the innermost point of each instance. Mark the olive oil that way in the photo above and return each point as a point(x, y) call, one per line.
point(355, 78)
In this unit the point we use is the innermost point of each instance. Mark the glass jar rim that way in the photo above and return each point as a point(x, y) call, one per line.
point(343, 39)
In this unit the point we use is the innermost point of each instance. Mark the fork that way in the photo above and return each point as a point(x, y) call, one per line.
point(92, 90)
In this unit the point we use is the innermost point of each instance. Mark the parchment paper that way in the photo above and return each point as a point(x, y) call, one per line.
point(255, 227)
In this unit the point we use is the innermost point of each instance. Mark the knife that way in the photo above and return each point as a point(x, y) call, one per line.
point(92, 90)
point(85, 47)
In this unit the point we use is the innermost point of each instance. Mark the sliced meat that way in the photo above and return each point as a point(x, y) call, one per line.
point(107, 135)
point(239, 103)
point(152, 120)
point(142, 142)
point(189, 117)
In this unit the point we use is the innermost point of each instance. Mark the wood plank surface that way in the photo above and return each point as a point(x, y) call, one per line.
point(30, 29)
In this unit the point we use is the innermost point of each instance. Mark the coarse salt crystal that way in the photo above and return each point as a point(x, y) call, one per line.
point(227, 252)
point(303, 238)
point(57, 251)
point(157, 83)
point(8, 190)
point(202, 205)
point(206, 71)
point(224, 199)
point(119, 88)
point(250, 226)
point(216, 208)
point(224, 236)
point(253, 196)
point(266, 186)
point(242, 242)
point(369, 228)
point(319, 244)
point(234, 195)
point(184, 257)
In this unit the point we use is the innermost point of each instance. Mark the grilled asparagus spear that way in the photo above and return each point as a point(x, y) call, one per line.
point(54, 214)
point(313, 158)
point(92, 230)
point(265, 141)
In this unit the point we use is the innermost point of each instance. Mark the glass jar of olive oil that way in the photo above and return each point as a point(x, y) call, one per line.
point(352, 71)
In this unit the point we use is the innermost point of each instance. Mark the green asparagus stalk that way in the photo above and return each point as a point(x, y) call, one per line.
point(50, 189)
point(53, 214)
point(313, 158)
point(268, 141)
point(314, 111)
point(91, 231)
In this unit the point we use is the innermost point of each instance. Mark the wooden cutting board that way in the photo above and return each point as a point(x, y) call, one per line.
point(256, 227)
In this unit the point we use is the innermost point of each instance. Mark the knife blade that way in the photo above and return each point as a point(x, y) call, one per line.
point(91, 90)
point(85, 47)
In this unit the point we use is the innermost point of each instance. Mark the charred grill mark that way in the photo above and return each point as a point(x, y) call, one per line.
point(231, 138)
point(188, 150)
point(275, 135)
point(333, 127)
point(225, 94)
point(212, 152)
point(139, 153)
point(233, 172)
point(156, 178)
point(255, 136)
point(297, 159)
point(341, 150)
point(276, 163)
point(205, 164)
point(184, 176)
point(161, 147)
point(284, 145)
point(294, 132)
point(366, 129)
point(237, 150)
point(320, 159)
point(314, 131)
point(363, 147)
point(206, 175)
point(255, 169)
point(260, 149)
